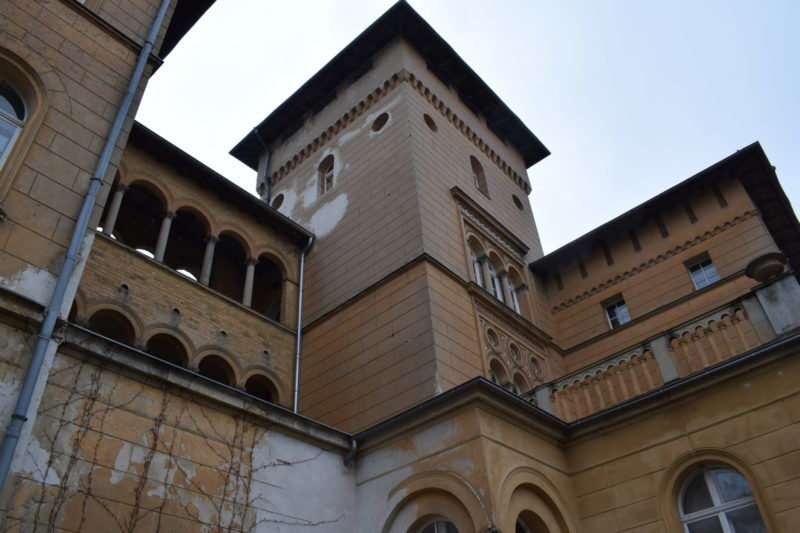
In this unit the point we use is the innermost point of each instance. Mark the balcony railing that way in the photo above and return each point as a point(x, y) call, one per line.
point(704, 341)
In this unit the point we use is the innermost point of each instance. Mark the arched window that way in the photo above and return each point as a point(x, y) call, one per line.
point(267, 287)
point(494, 278)
point(326, 175)
point(261, 387)
point(216, 368)
point(497, 373)
point(512, 290)
point(439, 526)
point(519, 385)
point(478, 175)
point(476, 253)
point(140, 217)
point(187, 242)
point(12, 117)
point(517, 288)
point(113, 325)
point(229, 267)
point(717, 499)
point(168, 348)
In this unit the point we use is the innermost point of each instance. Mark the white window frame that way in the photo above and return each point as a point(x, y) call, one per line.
point(326, 177)
point(476, 267)
point(496, 283)
point(616, 304)
point(719, 509)
point(15, 123)
point(707, 269)
point(512, 290)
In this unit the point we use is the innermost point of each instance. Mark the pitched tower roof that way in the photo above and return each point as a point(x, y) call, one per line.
point(399, 21)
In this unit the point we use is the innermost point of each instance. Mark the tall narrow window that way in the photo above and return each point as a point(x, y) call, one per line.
point(703, 273)
point(512, 290)
point(478, 176)
point(719, 500)
point(617, 313)
point(476, 267)
point(497, 287)
point(326, 175)
point(12, 117)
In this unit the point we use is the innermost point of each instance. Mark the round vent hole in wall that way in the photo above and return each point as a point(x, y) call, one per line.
point(429, 122)
point(518, 202)
point(380, 122)
point(277, 201)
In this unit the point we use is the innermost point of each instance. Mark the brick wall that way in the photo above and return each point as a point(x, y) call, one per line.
point(154, 291)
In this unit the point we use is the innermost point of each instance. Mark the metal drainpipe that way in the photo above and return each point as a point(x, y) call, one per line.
point(18, 418)
point(299, 344)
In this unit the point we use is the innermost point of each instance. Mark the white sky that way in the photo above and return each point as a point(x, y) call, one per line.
point(630, 97)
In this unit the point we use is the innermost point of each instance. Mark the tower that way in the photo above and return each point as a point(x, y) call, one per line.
point(412, 174)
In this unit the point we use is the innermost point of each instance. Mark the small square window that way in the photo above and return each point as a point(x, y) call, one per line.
point(703, 273)
point(617, 313)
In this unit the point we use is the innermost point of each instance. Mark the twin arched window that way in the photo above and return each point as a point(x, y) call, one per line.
point(12, 117)
point(717, 499)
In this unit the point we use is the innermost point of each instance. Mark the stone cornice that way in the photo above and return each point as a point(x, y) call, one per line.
point(402, 76)
point(654, 261)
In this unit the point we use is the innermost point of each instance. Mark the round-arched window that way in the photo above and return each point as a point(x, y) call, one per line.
point(717, 499)
point(12, 117)
point(439, 526)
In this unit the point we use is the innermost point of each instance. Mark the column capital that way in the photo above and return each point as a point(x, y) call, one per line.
point(169, 214)
point(212, 239)
point(251, 261)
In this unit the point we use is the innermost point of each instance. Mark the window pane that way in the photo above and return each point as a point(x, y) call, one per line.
point(696, 497)
point(731, 484)
point(10, 102)
point(746, 520)
point(6, 134)
point(707, 525)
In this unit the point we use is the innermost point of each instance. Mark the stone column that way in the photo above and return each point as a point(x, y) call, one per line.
point(247, 298)
point(781, 303)
point(659, 347)
point(113, 210)
point(758, 318)
point(163, 235)
point(208, 259)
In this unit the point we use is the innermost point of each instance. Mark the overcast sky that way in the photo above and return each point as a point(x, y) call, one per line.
point(630, 97)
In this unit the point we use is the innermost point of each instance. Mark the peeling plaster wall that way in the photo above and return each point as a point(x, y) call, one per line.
point(112, 453)
point(367, 224)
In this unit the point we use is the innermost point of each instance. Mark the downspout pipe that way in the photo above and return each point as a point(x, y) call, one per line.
point(299, 344)
point(19, 417)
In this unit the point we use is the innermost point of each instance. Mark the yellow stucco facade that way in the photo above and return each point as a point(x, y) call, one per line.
point(448, 376)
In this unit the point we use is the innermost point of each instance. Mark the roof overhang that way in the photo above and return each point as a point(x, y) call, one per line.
point(185, 15)
point(400, 21)
point(210, 180)
point(750, 165)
